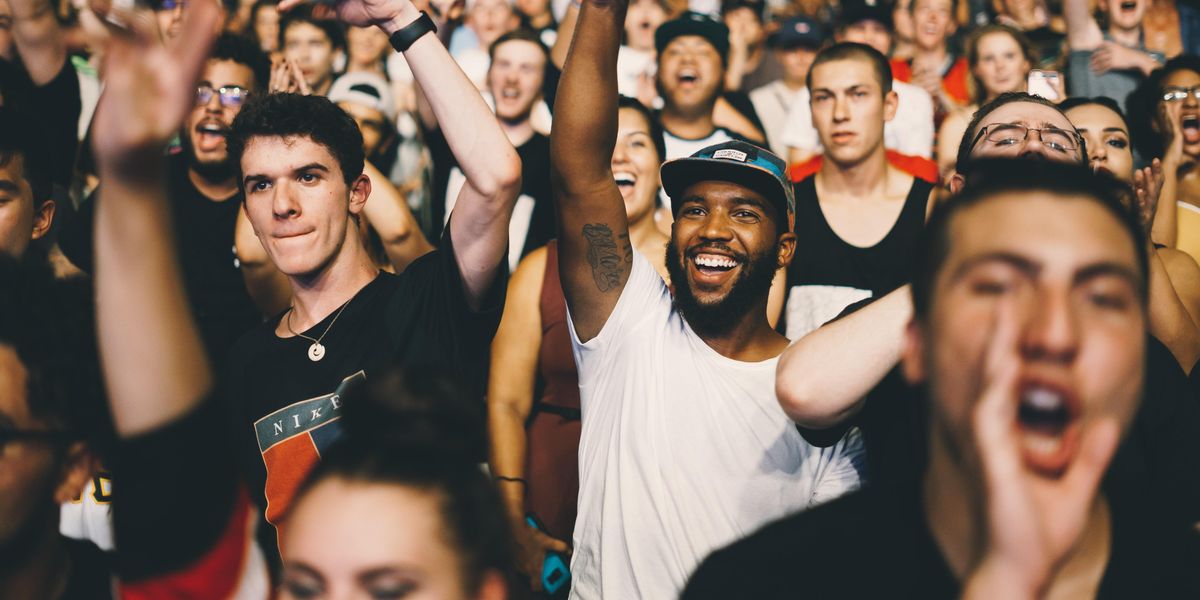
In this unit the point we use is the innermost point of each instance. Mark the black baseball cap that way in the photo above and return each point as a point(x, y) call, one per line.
point(737, 162)
point(798, 32)
point(693, 23)
point(854, 11)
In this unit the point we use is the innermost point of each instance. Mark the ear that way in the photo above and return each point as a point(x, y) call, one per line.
point(78, 467)
point(43, 217)
point(359, 191)
point(492, 587)
point(786, 248)
point(956, 183)
point(890, 102)
point(913, 360)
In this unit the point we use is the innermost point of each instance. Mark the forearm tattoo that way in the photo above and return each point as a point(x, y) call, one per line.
point(604, 256)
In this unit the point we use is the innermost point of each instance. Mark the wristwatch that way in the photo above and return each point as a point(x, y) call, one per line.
point(405, 36)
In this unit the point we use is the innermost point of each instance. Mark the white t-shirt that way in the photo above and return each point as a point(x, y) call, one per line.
point(909, 132)
point(678, 147)
point(683, 450)
point(773, 102)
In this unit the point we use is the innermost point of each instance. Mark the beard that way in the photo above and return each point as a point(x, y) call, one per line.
point(210, 170)
point(718, 318)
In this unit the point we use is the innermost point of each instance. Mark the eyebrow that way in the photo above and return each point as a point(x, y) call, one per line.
point(313, 166)
point(1032, 269)
point(8, 185)
point(1106, 130)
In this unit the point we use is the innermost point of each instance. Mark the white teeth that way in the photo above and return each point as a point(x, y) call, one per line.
point(211, 128)
point(509, 93)
point(1042, 399)
point(714, 261)
point(623, 178)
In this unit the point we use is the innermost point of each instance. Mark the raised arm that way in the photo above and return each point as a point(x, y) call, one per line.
point(595, 256)
point(822, 378)
point(387, 211)
point(39, 39)
point(1083, 33)
point(479, 225)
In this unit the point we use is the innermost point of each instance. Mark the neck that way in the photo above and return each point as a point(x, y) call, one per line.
point(518, 131)
point(541, 21)
point(690, 124)
point(750, 339)
point(644, 233)
point(794, 84)
point(317, 296)
point(865, 179)
point(1126, 37)
point(37, 571)
point(936, 54)
point(371, 67)
point(220, 190)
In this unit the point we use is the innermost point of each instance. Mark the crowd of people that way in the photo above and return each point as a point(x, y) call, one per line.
point(599, 299)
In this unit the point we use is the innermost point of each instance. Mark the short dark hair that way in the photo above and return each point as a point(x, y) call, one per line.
point(968, 139)
point(19, 141)
point(304, 14)
point(1142, 105)
point(49, 323)
point(421, 431)
point(855, 51)
point(656, 129)
point(1027, 49)
point(294, 115)
point(995, 176)
point(244, 51)
point(521, 34)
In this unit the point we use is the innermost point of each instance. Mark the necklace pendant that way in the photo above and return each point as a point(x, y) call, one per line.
point(316, 352)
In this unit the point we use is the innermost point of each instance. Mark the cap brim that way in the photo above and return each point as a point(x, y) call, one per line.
point(677, 175)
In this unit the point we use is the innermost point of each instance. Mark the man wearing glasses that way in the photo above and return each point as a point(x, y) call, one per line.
point(206, 199)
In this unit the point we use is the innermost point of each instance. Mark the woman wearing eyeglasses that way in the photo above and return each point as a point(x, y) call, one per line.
point(1164, 115)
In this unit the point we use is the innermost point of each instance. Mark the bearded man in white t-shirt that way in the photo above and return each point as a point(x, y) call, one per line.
point(684, 446)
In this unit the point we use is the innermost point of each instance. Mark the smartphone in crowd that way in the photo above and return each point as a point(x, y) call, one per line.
point(1045, 84)
point(555, 573)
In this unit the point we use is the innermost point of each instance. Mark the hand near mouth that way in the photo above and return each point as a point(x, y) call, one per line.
point(1033, 522)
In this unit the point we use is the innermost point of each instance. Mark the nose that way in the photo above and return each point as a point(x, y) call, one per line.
point(841, 112)
point(214, 103)
point(716, 227)
point(1050, 331)
point(1191, 101)
point(620, 156)
point(283, 202)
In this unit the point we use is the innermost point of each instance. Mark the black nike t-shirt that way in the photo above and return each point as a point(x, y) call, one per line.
point(289, 405)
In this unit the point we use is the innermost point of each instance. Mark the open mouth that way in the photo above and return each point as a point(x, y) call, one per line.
point(625, 181)
point(1128, 6)
point(688, 76)
point(711, 269)
point(1190, 124)
point(509, 93)
point(1048, 421)
point(210, 135)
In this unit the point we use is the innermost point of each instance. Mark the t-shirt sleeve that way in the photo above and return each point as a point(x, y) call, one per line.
point(183, 520)
point(644, 300)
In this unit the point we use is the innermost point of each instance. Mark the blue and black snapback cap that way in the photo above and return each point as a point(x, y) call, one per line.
point(737, 162)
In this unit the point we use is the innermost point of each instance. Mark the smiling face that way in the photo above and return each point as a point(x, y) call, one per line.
point(299, 204)
point(1186, 112)
point(641, 21)
point(725, 249)
point(349, 539)
point(1067, 270)
point(1124, 15)
point(208, 124)
point(312, 50)
point(1028, 114)
point(933, 22)
point(849, 109)
point(1107, 139)
point(635, 163)
point(690, 74)
point(515, 79)
point(1001, 65)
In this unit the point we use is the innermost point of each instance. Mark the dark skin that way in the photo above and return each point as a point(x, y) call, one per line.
point(595, 256)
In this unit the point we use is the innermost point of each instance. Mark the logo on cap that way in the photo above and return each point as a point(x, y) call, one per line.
point(803, 28)
point(731, 154)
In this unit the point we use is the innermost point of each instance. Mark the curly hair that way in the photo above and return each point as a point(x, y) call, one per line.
point(243, 51)
point(294, 115)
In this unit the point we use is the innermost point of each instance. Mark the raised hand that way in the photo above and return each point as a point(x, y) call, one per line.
point(287, 77)
point(1033, 522)
point(532, 546)
point(1148, 185)
point(386, 14)
point(148, 87)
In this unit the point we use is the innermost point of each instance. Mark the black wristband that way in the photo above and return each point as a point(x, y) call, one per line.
point(404, 37)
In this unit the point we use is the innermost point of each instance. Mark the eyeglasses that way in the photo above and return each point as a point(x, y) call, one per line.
point(1179, 94)
point(1005, 135)
point(33, 435)
point(231, 96)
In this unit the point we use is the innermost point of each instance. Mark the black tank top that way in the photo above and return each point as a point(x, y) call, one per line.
point(828, 274)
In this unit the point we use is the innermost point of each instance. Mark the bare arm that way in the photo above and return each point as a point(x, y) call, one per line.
point(387, 211)
point(595, 256)
point(725, 115)
point(566, 33)
point(1170, 320)
point(158, 375)
point(1082, 31)
point(823, 377)
point(268, 287)
point(39, 39)
point(1185, 278)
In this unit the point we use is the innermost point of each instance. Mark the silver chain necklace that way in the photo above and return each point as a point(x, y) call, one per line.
point(316, 351)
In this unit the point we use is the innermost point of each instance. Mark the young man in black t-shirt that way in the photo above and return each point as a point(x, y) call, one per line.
point(858, 217)
point(52, 425)
point(515, 80)
point(301, 169)
point(1028, 338)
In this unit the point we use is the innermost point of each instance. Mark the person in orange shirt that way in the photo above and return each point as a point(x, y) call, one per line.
point(932, 65)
